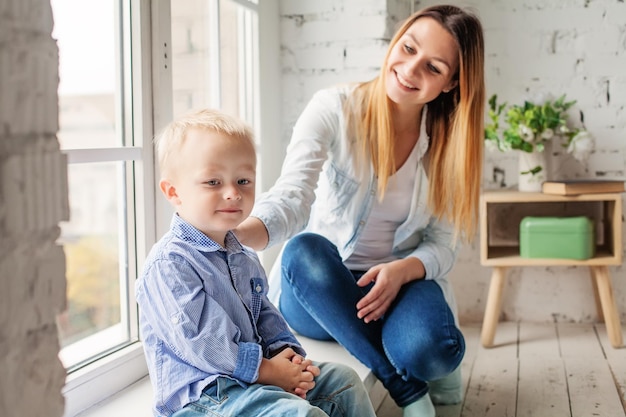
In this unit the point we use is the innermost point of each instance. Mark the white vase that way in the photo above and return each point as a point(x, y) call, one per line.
point(529, 162)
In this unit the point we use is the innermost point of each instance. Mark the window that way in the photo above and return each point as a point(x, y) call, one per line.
point(212, 51)
point(111, 195)
point(99, 240)
point(122, 80)
point(219, 56)
point(213, 56)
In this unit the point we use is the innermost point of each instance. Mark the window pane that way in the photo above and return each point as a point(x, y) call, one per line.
point(95, 247)
point(212, 58)
point(231, 48)
point(191, 54)
point(95, 240)
point(87, 121)
point(87, 72)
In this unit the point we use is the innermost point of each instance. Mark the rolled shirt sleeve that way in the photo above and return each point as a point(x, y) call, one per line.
point(194, 325)
point(437, 251)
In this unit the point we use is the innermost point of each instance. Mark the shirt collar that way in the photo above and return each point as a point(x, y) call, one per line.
point(188, 233)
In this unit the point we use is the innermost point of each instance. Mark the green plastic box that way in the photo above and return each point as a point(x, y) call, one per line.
point(557, 237)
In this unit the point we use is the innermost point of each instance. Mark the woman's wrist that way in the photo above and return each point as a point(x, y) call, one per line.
point(252, 233)
point(415, 269)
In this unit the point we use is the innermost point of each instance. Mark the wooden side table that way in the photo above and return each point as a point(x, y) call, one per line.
point(501, 213)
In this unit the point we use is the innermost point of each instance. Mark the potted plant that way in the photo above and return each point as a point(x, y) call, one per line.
point(528, 128)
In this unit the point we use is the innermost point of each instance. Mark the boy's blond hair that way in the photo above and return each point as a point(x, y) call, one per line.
point(169, 141)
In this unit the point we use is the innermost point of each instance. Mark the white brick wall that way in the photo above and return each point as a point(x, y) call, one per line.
point(33, 199)
point(533, 48)
point(554, 47)
point(330, 42)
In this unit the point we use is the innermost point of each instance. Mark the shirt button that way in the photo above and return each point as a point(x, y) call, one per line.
point(258, 288)
point(174, 320)
point(361, 223)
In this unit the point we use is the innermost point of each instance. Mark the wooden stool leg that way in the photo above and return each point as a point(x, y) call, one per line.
point(494, 304)
point(596, 295)
point(605, 293)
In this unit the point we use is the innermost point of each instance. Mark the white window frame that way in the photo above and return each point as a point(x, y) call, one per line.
point(102, 378)
point(269, 105)
point(151, 98)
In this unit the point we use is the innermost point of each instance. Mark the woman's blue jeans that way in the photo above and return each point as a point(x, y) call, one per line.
point(416, 341)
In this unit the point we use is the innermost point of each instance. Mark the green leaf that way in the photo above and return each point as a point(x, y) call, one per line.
point(505, 121)
point(533, 171)
point(492, 102)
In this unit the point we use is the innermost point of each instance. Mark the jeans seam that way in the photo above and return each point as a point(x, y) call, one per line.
point(331, 398)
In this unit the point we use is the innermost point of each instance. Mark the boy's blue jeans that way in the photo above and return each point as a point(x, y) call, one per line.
point(416, 341)
point(338, 392)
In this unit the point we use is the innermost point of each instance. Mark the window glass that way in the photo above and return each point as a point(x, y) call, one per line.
point(191, 53)
point(96, 255)
point(95, 240)
point(114, 213)
point(213, 56)
point(231, 48)
point(87, 72)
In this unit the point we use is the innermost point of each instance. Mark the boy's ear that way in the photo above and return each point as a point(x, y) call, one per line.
point(169, 191)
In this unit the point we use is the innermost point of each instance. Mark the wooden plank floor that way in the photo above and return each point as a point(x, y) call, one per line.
point(538, 370)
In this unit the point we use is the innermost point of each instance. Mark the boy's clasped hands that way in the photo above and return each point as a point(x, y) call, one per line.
point(289, 371)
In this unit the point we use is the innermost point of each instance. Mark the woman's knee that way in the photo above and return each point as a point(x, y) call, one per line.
point(419, 333)
point(311, 257)
point(426, 356)
point(306, 247)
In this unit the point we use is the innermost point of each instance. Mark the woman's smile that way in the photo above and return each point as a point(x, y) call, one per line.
point(404, 82)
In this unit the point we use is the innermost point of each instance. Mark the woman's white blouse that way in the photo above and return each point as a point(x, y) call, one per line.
point(324, 189)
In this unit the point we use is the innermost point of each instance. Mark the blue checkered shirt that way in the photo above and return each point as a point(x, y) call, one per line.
point(204, 313)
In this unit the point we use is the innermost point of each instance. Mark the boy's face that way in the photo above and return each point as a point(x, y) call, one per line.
point(212, 182)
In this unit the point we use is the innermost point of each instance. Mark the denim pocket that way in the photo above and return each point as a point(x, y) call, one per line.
point(212, 397)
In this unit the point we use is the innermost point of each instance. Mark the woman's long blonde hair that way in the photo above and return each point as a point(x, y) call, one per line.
point(454, 123)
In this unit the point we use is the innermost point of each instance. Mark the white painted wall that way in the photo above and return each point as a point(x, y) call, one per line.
point(33, 199)
point(328, 42)
point(533, 48)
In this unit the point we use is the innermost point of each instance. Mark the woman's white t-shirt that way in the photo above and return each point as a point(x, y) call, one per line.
point(375, 244)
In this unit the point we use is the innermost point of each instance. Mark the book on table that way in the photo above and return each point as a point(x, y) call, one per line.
point(583, 186)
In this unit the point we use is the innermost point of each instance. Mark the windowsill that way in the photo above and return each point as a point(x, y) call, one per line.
point(136, 400)
point(90, 346)
point(120, 369)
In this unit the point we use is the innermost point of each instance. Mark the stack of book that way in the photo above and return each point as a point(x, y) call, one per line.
point(583, 186)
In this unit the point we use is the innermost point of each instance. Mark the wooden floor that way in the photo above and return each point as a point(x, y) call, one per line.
point(539, 370)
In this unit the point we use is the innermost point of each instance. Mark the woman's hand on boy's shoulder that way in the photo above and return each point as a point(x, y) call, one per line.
point(252, 233)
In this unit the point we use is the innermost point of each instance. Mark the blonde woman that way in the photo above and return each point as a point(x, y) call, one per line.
point(380, 183)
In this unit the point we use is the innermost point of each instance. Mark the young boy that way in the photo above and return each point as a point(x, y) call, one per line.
point(214, 343)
